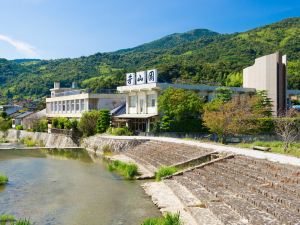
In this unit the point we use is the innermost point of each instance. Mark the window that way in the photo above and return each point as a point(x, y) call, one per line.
point(68, 106)
point(64, 106)
point(72, 106)
point(151, 100)
point(132, 101)
point(82, 105)
point(59, 106)
point(77, 105)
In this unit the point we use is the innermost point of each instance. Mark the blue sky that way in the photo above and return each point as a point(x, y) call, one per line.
point(51, 29)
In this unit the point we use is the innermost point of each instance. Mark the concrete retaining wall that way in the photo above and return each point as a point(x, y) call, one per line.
point(49, 140)
point(115, 144)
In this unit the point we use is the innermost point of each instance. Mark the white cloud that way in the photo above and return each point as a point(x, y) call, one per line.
point(20, 46)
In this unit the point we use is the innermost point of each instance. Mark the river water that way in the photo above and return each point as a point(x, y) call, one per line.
point(69, 188)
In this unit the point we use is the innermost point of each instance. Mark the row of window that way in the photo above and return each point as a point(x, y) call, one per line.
point(151, 100)
point(67, 106)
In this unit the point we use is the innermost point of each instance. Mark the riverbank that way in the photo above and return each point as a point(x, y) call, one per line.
point(213, 180)
point(47, 140)
point(211, 190)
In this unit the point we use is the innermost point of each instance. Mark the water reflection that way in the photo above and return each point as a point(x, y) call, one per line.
point(76, 154)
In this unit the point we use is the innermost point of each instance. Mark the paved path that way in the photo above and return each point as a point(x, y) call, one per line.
point(222, 148)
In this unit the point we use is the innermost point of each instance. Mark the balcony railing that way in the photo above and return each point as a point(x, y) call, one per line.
point(82, 91)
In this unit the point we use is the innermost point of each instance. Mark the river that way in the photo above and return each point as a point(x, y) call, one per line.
point(69, 188)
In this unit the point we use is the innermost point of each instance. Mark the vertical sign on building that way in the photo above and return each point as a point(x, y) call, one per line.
point(152, 76)
point(130, 79)
point(141, 77)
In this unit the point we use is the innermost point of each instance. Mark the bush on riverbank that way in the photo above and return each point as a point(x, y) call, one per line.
point(128, 170)
point(165, 171)
point(103, 121)
point(29, 142)
point(3, 179)
point(5, 124)
point(3, 140)
point(19, 127)
point(168, 219)
point(10, 219)
point(119, 131)
point(6, 218)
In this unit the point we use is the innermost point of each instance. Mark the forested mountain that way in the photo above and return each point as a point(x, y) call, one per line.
point(197, 56)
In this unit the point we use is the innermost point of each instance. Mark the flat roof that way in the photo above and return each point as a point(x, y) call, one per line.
point(137, 116)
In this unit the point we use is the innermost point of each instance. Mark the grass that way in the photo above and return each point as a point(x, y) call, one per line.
point(3, 179)
point(128, 170)
point(168, 219)
point(31, 143)
point(5, 218)
point(22, 222)
point(276, 147)
point(10, 219)
point(3, 140)
point(165, 171)
point(106, 149)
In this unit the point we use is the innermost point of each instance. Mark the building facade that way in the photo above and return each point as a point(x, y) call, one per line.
point(72, 102)
point(269, 74)
point(142, 105)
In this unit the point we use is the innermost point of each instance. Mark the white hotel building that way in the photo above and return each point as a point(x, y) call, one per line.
point(72, 102)
point(142, 92)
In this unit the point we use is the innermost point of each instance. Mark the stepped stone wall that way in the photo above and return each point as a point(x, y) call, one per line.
point(49, 140)
point(98, 143)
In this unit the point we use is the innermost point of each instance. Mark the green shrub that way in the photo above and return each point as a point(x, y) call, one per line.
point(168, 219)
point(6, 218)
point(31, 143)
point(41, 126)
point(128, 170)
point(22, 222)
point(74, 124)
point(119, 131)
point(3, 140)
point(5, 124)
point(10, 219)
point(103, 121)
point(165, 171)
point(87, 123)
point(55, 123)
point(63, 123)
point(3, 179)
point(19, 127)
point(106, 149)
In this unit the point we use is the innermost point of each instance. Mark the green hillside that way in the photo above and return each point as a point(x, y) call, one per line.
point(197, 56)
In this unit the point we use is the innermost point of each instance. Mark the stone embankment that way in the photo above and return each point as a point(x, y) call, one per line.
point(232, 189)
point(115, 144)
point(243, 190)
point(48, 140)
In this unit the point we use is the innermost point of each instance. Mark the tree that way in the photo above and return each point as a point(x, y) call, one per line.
point(87, 123)
point(180, 110)
point(287, 128)
point(103, 121)
point(234, 80)
point(223, 94)
point(237, 116)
